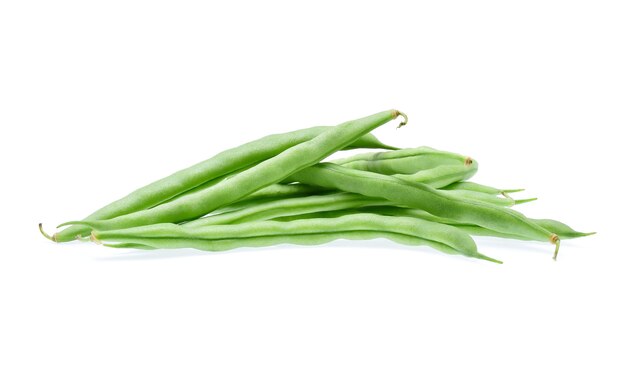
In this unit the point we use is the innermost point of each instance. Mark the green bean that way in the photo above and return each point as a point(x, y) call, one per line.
point(443, 168)
point(560, 229)
point(219, 165)
point(403, 161)
point(279, 207)
point(442, 175)
point(473, 186)
point(424, 197)
point(479, 197)
point(263, 233)
point(435, 177)
point(295, 239)
point(261, 175)
point(286, 190)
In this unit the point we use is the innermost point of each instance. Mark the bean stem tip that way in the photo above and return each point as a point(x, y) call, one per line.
point(51, 238)
point(404, 116)
point(94, 239)
point(557, 241)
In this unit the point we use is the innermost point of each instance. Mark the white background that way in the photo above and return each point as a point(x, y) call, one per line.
point(98, 98)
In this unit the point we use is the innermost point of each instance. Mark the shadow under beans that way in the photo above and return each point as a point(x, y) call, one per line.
point(381, 244)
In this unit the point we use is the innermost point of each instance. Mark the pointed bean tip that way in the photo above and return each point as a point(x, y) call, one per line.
point(51, 238)
point(69, 223)
point(490, 259)
point(94, 238)
point(557, 242)
point(404, 116)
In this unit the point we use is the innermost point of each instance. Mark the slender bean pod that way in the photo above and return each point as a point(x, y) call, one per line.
point(424, 197)
point(288, 206)
point(557, 227)
point(204, 237)
point(261, 175)
point(198, 174)
point(403, 161)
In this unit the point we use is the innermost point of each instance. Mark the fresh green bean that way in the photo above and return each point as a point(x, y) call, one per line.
point(259, 233)
point(441, 176)
point(293, 206)
point(557, 227)
point(479, 197)
point(261, 175)
point(295, 239)
point(403, 161)
point(473, 186)
point(560, 229)
point(443, 168)
point(219, 165)
point(424, 197)
point(435, 177)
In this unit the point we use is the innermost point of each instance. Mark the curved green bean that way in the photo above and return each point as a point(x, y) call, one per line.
point(441, 176)
point(219, 165)
point(403, 161)
point(557, 227)
point(267, 172)
point(424, 197)
point(473, 186)
point(294, 206)
point(258, 233)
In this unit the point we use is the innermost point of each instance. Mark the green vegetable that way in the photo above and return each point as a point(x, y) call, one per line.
point(267, 172)
point(308, 231)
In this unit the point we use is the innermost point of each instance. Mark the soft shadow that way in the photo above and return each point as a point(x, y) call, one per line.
point(382, 244)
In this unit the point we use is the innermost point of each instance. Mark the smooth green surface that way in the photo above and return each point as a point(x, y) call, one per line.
point(307, 231)
point(268, 172)
point(219, 165)
point(424, 197)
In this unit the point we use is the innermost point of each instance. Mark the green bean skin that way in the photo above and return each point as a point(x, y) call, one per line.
point(445, 168)
point(473, 186)
point(367, 141)
point(442, 175)
point(403, 161)
point(261, 175)
point(219, 165)
point(560, 229)
point(297, 239)
point(204, 237)
point(423, 197)
point(280, 207)
point(435, 177)
point(479, 197)
point(286, 190)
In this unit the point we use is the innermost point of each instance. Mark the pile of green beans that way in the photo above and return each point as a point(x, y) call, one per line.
point(279, 190)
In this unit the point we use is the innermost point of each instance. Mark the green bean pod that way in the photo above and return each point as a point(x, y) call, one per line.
point(441, 176)
point(424, 197)
point(403, 161)
point(219, 165)
point(259, 233)
point(479, 188)
point(295, 239)
point(437, 176)
point(480, 197)
point(263, 174)
point(260, 211)
point(557, 227)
